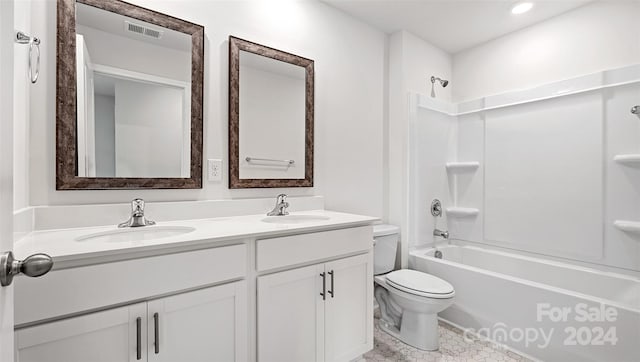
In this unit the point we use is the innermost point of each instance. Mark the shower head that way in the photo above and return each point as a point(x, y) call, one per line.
point(443, 83)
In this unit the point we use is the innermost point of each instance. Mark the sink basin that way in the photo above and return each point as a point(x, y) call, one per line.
point(136, 234)
point(294, 219)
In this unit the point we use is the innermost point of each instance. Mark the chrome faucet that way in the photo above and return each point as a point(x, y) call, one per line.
point(281, 206)
point(438, 232)
point(137, 216)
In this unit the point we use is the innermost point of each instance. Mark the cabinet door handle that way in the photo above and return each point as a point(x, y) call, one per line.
point(331, 291)
point(138, 338)
point(156, 332)
point(324, 286)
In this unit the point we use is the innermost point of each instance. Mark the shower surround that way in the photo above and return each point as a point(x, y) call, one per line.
point(542, 182)
point(549, 170)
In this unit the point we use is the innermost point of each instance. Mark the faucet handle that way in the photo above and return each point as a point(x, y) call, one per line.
point(137, 205)
point(281, 206)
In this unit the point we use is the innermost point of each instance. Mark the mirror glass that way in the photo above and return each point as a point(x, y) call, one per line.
point(272, 118)
point(133, 83)
point(271, 112)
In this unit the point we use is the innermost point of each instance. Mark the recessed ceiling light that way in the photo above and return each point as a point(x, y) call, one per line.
point(521, 8)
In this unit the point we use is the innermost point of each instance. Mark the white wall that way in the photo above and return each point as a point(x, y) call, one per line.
point(602, 35)
point(349, 68)
point(411, 64)
point(21, 88)
point(421, 60)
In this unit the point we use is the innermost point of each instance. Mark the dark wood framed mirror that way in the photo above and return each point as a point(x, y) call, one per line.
point(129, 107)
point(271, 115)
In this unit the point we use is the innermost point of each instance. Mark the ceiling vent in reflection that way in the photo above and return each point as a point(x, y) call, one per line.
point(142, 30)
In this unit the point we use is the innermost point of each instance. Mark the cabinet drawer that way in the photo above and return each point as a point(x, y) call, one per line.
point(298, 249)
point(69, 291)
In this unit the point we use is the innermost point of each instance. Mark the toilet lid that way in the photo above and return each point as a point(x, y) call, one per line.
point(419, 283)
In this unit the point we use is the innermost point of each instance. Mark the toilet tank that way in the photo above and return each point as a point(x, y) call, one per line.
point(384, 251)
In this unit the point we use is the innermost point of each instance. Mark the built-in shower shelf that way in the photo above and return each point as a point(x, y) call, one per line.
point(632, 159)
point(462, 166)
point(462, 212)
point(628, 226)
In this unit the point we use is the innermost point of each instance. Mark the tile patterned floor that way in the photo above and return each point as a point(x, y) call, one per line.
point(453, 348)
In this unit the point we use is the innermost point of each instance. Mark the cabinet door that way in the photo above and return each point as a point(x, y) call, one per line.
point(349, 308)
point(111, 336)
point(291, 316)
point(206, 325)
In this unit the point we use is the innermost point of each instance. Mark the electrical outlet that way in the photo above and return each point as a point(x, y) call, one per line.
point(214, 170)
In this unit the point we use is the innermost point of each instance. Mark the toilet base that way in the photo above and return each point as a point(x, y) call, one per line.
point(420, 330)
point(417, 330)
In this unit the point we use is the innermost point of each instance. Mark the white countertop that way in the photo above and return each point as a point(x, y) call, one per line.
point(66, 251)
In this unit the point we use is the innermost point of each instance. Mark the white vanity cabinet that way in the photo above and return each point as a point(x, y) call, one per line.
point(291, 316)
point(288, 296)
point(207, 325)
point(348, 322)
point(100, 337)
point(194, 309)
point(203, 325)
point(321, 312)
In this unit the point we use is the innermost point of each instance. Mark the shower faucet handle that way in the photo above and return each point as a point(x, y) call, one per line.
point(436, 208)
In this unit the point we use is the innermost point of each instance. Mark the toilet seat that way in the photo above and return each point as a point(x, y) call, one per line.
point(420, 284)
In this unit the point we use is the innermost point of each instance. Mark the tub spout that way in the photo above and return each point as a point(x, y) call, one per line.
point(442, 233)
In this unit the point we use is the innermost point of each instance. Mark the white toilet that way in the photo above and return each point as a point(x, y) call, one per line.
point(409, 300)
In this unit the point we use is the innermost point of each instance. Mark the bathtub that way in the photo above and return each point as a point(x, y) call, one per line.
point(545, 309)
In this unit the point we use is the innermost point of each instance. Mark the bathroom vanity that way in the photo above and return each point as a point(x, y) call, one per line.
point(244, 288)
point(293, 287)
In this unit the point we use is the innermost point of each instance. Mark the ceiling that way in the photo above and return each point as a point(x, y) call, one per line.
point(452, 25)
